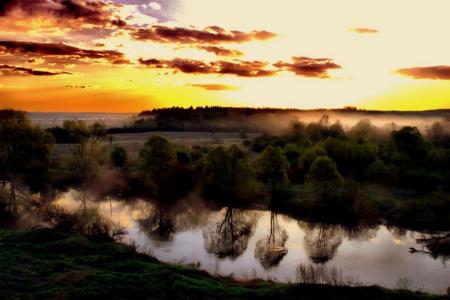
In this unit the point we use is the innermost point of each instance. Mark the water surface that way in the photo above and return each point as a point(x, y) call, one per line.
point(251, 244)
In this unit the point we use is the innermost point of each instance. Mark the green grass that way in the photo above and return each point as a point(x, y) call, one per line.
point(46, 264)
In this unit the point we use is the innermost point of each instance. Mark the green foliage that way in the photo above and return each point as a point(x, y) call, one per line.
point(324, 176)
point(409, 140)
point(306, 159)
point(119, 156)
point(164, 169)
point(157, 155)
point(292, 152)
point(24, 152)
point(272, 167)
point(352, 158)
point(228, 175)
point(183, 155)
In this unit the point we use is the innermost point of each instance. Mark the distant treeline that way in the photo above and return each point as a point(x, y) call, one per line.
point(244, 119)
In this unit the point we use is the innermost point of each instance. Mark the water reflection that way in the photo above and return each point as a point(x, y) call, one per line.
point(159, 224)
point(322, 241)
point(271, 249)
point(261, 244)
point(229, 237)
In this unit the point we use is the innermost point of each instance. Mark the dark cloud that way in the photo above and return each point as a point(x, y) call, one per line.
point(244, 68)
point(309, 67)
point(92, 12)
point(220, 51)
point(238, 68)
point(209, 35)
point(364, 30)
point(215, 87)
point(433, 72)
point(60, 50)
point(14, 70)
point(179, 64)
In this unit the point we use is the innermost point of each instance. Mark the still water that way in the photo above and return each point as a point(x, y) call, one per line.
point(249, 244)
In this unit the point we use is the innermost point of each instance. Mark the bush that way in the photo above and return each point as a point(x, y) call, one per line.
point(86, 222)
point(119, 157)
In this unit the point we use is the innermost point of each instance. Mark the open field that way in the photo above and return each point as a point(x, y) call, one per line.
point(133, 142)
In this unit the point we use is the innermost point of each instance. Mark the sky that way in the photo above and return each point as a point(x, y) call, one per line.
point(131, 55)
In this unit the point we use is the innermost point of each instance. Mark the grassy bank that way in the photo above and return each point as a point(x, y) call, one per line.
point(46, 264)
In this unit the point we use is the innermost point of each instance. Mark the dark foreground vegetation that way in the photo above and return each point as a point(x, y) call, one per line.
point(47, 264)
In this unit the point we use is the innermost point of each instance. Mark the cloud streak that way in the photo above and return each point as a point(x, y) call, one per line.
point(215, 87)
point(209, 35)
point(433, 72)
point(220, 51)
point(58, 50)
point(6, 70)
point(364, 30)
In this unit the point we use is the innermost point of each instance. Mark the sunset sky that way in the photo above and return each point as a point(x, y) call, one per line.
point(130, 55)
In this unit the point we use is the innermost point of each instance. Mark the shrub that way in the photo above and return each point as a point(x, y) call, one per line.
point(119, 156)
point(86, 222)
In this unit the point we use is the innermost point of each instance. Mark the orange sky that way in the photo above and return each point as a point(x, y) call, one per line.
point(130, 55)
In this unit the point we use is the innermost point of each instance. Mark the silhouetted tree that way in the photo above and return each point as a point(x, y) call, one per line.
point(86, 149)
point(24, 151)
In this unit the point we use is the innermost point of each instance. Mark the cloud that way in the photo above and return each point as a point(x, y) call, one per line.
point(363, 30)
point(209, 35)
point(215, 87)
point(59, 50)
point(78, 86)
point(433, 72)
point(309, 67)
point(220, 51)
point(237, 68)
point(86, 11)
point(14, 70)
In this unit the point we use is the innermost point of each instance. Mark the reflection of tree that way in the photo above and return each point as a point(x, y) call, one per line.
point(271, 249)
point(159, 224)
point(229, 238)
point(322, 241)
point(162, 221)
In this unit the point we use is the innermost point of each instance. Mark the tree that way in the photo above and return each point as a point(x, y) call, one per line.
point(24, 151)
point(163, 175)
point(272, 167)
point(119, 156)
point(227, 174)
point(86, 147)
point(157, 155)
point(409, 140)
point(323, 174)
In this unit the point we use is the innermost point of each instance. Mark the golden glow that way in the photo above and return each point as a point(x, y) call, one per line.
point(410, 33)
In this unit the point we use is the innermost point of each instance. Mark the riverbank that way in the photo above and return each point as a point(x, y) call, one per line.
point(46, 264)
